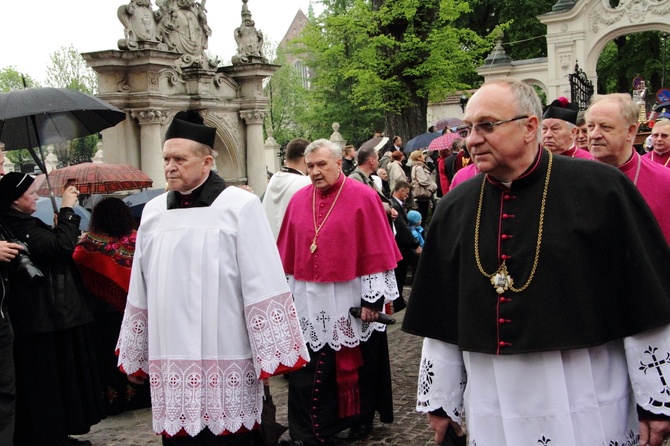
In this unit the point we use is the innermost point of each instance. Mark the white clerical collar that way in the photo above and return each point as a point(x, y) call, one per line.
point(188, 192)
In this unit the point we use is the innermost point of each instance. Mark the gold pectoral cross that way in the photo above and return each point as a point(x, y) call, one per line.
point(501, 280)
point(312, 247)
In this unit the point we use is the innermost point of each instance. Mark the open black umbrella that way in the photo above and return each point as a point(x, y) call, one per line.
point(137, 201)
point(35, 116)
point(377, 143)
point(420, 142)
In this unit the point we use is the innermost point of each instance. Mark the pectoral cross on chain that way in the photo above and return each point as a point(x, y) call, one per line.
point(323, 319)
point(656, 364)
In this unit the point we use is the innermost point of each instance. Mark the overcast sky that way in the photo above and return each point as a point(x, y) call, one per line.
point(32, 30)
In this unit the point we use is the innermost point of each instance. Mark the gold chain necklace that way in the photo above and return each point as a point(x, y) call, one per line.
point(501, 280)
point(313, 246)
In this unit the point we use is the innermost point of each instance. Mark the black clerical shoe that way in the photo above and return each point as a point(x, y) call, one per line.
point(360, 431)
point(399, 305)
point(71, 441)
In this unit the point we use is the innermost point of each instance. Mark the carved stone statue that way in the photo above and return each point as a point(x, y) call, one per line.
point(249, 40)
point(139, 25)
point(182, 26)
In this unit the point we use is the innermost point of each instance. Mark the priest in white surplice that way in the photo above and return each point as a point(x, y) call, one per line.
point(543, 294)
point(209, 311)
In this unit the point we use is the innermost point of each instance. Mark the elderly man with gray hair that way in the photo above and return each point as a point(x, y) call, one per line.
point(339, 253)
point(542, 292)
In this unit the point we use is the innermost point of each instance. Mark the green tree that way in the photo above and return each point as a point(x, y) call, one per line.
point(632, 55)
point(374, 58)
point(525, 36)
point(69, 70)
point(10, 80)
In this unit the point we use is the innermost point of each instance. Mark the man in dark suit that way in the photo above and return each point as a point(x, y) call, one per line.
point(407, 244)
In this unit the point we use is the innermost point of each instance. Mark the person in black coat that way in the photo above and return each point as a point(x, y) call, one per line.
point(407, 244)
point(58, 391)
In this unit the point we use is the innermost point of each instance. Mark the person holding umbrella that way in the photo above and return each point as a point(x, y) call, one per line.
point(58, 391)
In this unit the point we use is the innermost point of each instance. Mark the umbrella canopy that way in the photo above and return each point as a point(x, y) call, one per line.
point(137, 201)
point(420, 142)
point(45, 212)
point(448, 122)
point(96, 178)
point(37, 116)
point(376, 143)
point(443, 142)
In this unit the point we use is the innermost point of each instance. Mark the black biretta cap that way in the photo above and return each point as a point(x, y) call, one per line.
point(190, 125)
point(562, 109)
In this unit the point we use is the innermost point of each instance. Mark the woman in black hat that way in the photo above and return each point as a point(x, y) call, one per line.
point(58, 391)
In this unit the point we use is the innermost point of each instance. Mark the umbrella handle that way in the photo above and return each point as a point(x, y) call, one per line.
point(41, 163)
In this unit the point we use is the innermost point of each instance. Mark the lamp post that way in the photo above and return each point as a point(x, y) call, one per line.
point(664, 37)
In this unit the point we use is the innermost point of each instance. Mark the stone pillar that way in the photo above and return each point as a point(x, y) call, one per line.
point(256, 172)
point(151, 159)
point(336, 137)
point(272, 160)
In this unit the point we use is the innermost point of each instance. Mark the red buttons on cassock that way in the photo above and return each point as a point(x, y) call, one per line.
point(501, 321)
point(504, 216)
point(504, 257)
point(504, 236)
point(501, 343)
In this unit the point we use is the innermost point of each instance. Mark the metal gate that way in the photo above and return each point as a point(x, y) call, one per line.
point(581, 88)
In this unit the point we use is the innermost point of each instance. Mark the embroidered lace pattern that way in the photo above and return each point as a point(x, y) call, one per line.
point(442, 379)
point(629, 439)
point(274, 333)
point(133, 343)
point(223, 395)
point(324, 309)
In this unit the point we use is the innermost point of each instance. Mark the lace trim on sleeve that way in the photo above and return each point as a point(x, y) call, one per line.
point(648, 358)
point(275, 334)
point(376, 286)
point(441, 379)
point(133, 344)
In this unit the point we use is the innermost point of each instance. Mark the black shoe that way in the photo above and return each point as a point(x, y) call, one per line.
point(399, 305)
point(360, 431)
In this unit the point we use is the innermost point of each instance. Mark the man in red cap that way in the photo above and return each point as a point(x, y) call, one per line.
point(559, 129)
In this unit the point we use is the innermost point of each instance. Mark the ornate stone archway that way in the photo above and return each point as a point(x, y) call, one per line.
point(161, 68)
point(578, 32)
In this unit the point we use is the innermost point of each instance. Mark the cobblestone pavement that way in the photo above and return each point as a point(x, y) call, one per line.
point(409, 428)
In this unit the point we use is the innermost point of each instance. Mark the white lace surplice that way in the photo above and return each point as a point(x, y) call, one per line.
point(323, 308)
point(208, 314)
point(581, 397)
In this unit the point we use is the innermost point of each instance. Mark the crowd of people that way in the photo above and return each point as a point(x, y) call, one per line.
point(537, 245)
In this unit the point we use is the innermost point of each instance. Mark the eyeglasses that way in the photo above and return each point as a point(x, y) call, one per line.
point(659, 135)
point(484, 128)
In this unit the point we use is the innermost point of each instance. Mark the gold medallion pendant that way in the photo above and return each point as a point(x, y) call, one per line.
point(501, 280)
point(312, 247)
